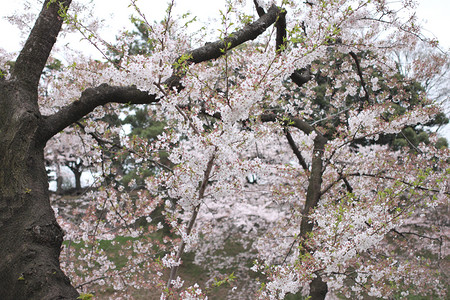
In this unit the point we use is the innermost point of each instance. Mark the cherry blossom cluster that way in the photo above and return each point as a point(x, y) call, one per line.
point(234, 175)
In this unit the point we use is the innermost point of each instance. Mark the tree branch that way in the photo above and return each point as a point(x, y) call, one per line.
point(89, 100)
point(315, 183)
point(249, 32)
point(297, 152)
point(216, 49)
point(315, 178)
point(347, 184)
point(33, 57)
point(402, 181)
point(290, 121)
point(402, 234)
point(280, 25)
point(341, 177)
point(299, 77)
point(259, 9)
point(363, 83)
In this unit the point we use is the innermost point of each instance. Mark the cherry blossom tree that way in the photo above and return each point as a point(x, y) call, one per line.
point(306, 188)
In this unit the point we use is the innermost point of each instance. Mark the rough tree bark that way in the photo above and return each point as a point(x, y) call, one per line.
point(30, 236)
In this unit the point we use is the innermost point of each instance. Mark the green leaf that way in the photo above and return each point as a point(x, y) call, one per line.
point(84, 296)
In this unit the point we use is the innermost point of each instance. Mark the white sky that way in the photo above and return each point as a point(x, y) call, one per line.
point(115, 14)
point(434, 15)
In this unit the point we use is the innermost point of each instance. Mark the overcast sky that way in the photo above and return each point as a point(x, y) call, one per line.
point(434, 13)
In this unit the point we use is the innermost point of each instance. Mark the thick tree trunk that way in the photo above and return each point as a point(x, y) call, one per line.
point(29, 234)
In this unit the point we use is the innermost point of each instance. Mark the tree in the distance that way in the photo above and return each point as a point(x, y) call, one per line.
point(330, 206)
